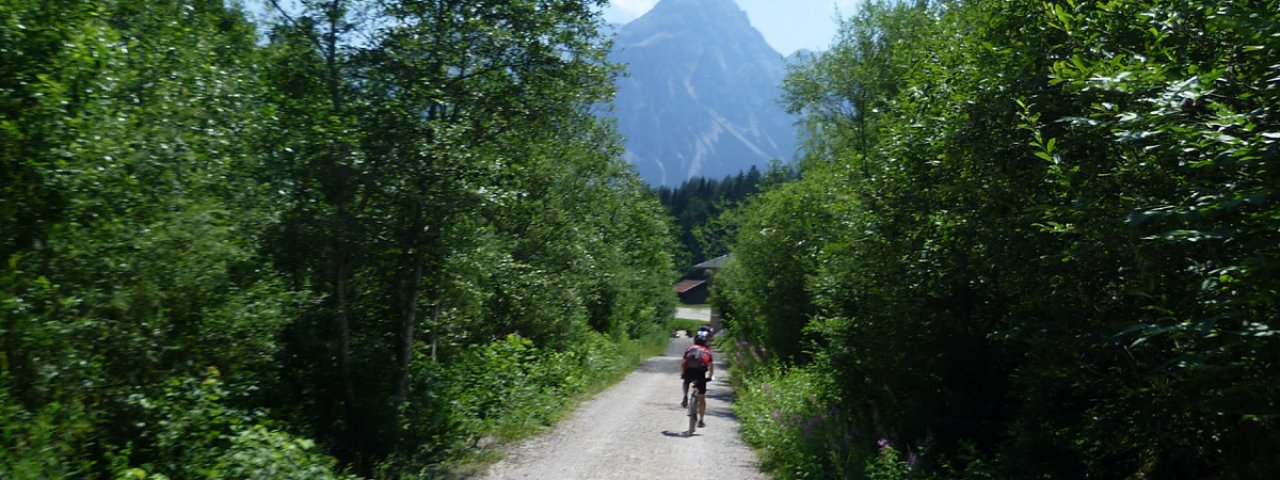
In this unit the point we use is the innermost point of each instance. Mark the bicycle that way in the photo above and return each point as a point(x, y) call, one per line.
point(693, 407)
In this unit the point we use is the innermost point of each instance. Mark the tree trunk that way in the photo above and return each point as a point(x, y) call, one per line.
point(342, 323)
point(410, 273)
point(435, 325)
point(352, 413)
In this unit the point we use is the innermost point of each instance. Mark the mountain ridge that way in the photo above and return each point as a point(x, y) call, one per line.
point(701, 95)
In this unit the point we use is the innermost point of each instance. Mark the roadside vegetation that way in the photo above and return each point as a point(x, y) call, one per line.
point(1031, 239)
point(359, 240)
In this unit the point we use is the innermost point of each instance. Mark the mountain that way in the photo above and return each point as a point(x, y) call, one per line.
point(800, 54)
point(701, 98)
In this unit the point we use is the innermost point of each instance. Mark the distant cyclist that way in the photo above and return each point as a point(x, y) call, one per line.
point(698, 367)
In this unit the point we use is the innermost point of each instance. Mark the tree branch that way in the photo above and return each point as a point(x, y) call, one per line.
point(294, 23)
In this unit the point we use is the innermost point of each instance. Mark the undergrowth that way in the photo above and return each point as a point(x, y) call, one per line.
point(789, 416)
point(510, 390)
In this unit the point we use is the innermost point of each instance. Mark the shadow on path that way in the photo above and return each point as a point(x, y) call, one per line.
point(724, 395)
point(661, 365)
point(722, 414)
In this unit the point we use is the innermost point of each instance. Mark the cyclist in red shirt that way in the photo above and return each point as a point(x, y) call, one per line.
point(697, 367)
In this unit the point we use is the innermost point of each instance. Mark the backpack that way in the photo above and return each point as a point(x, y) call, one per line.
point(696, 358)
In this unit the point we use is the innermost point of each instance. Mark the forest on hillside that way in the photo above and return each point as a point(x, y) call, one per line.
point(697, 205)
point(353, 241)
point(1031, 239)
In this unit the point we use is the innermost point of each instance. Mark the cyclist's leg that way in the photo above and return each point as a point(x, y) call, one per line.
point(684, 396)
point(702, 399)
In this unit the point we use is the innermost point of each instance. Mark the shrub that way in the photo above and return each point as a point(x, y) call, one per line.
point(190, 431)
point(46, 444)
point(503, 390)
point(789, 417)
point(259, 452)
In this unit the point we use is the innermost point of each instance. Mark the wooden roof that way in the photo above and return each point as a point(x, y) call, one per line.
point(686, 285)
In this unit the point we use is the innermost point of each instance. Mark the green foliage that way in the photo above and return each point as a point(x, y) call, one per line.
point(762, 292)
point(794, 433)
point(505, 390)
point(513, 386)
point(888, 465)
point(795, 420)
point(42, 444)
point(258, 452)
point(451, 200)
point(191, 430)
point(335, 221)
point(697, 202)
point(1037, 237)
point(136, 262)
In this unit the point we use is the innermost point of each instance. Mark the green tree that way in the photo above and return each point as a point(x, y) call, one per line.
point(698, 202)
point(224, 258)
point(1043, 236)
point(129, 129)
point(450, 161)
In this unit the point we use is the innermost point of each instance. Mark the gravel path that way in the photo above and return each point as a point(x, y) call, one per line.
point(703, 314)
point(632, 431)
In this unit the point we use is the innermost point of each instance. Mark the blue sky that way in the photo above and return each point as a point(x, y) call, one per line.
point(788, 25)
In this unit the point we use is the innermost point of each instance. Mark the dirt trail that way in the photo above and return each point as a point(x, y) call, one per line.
point(632, 431)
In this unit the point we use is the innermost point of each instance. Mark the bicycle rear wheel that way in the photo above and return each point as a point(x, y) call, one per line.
point(693, 409)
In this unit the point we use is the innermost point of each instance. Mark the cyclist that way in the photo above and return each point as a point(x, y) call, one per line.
point(698, 367)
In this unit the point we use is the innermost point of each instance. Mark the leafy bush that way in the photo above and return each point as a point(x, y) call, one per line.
point(191, 431)
point(47, 444)
point(1038, 238)
point(794, 419)
point(505, 390)
point(258, 452)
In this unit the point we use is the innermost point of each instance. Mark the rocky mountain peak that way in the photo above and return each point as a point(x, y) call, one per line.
point(701, 95)
point(702, 13)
